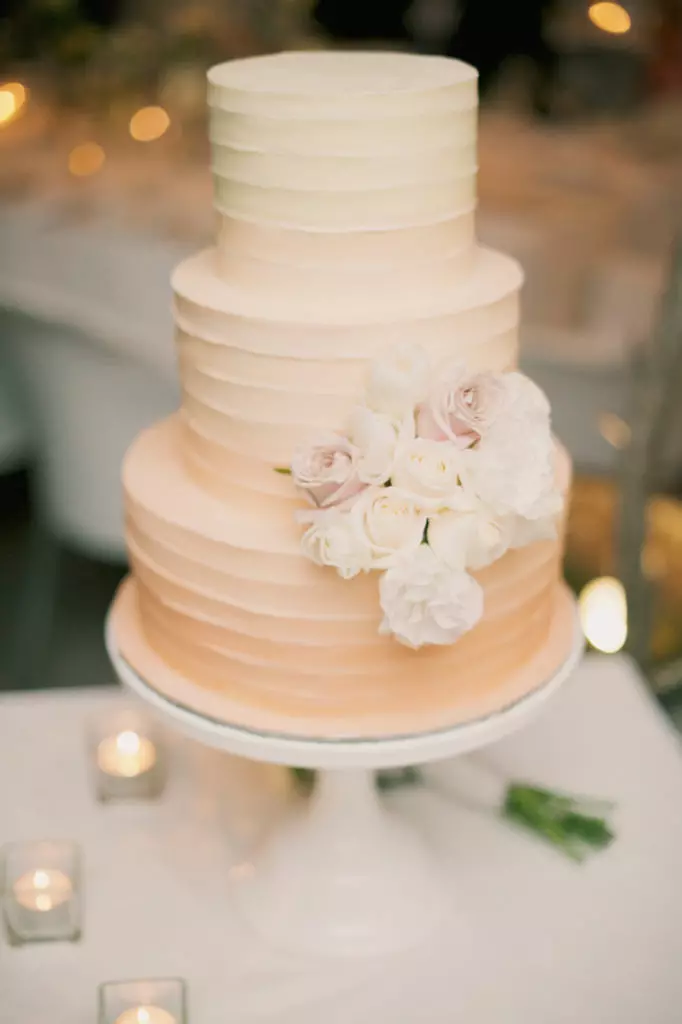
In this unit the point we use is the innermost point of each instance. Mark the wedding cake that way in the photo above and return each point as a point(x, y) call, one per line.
point(353, 526)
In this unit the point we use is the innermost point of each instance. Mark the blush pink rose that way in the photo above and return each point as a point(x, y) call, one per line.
point(327, 471)
point(461, 407)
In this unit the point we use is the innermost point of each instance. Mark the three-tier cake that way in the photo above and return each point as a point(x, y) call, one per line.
point(303, 558)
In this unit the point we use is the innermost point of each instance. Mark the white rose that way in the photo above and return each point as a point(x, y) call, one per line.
point(398, 381)
point(376, 437)
point(426, 602)
point(431, 471)
point(333, 538)
point(392, 524)
point(469, 540)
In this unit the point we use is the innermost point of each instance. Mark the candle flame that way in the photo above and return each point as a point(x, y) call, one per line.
point(41, 879)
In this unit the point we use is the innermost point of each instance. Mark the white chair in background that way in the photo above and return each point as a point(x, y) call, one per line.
point(85, 404)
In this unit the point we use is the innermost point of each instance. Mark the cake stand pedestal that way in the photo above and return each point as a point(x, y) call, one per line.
point(344, 875)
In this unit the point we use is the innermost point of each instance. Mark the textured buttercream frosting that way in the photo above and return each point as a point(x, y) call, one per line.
point(345, 185)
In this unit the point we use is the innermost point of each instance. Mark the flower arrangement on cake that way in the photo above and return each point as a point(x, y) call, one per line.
point(441, 471)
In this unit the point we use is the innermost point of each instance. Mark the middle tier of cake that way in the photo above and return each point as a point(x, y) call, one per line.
point(262, 373)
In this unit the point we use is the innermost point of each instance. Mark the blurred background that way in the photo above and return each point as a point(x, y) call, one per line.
point(105, 185)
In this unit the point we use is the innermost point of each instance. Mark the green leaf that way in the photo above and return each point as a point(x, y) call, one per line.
point(570, 823)
point(284, 470)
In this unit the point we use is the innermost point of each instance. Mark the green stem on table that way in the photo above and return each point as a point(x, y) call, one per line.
point(575, 825)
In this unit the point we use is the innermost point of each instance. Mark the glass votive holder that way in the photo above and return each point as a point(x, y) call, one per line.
point(128, 756)
point(41, 892)
point(152, 1001)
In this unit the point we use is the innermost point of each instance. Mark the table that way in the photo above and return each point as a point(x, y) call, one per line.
point(536, 940)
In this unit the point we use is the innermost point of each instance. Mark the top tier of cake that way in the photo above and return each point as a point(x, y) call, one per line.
point(346, 188)
point(343, 141)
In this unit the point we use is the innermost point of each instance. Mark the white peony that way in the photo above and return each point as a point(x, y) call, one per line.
point(430, 470)
point(333, 539)
point(376, 437)
point(425, 602)
point(469, 540)
point(398, 381)
point(513, 470)
point(525, 399)
point(391, 523)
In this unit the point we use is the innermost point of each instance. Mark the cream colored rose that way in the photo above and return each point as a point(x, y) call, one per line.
point(327, 470)
point(392, 524)
point(461, 406)
point(333, 538)
point(431, 471)
point(376, 437)
point(469, 540)
point(424, 601)
point(398, 381)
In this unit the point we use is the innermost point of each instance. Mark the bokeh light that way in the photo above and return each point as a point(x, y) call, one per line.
point(149, 123)
point(610, 17)
point(614, 430)
point(86, 159)
point(13, 96)
point(603, 614)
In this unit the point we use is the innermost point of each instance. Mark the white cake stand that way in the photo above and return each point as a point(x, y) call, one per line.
point(344, 876)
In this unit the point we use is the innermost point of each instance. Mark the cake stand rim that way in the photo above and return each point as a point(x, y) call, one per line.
point(348, 752)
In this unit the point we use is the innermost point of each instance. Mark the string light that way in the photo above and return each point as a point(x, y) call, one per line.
point(86, 159)
point(13, 96)
point(149, 123)
point(603, 614)
point(610, 17)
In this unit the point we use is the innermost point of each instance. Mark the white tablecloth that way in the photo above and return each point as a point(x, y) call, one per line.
point(533, 938)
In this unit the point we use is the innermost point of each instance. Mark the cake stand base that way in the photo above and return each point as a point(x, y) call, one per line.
point(344, 875)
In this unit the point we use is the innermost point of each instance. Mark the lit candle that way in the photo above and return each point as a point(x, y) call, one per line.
point(146, 1015)
point(42, 890)
point(126, 755)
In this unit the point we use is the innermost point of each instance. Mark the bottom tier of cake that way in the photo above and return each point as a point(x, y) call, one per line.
point(225, 616)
